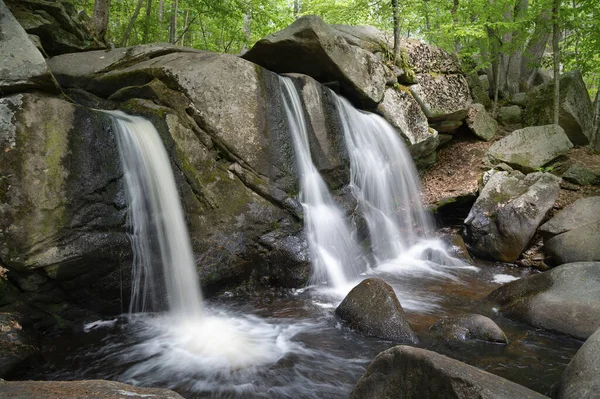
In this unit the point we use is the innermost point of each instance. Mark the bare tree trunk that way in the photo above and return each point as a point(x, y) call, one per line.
point(138, 7)
point(535, 48)
point(595, 144)
point(161, 10)
point(556, 51)
point(427, 23)
point(514, 61)
point(246, 30)
point(496, 87)
point(297, 8)
point(396, 15)
point(453, 11)
point(185, 26)
point(173, 26)
point(147, 22)
point(99, 23)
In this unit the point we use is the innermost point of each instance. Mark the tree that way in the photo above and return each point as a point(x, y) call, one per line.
point(396, 17)
point(556, 52)
point(99, 23)
point(131, 22)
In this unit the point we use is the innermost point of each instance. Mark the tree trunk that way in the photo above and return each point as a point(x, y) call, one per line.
point(396, 14)
point(138, 7)
point(453, 11)
point(246, 30)
point(185, 25)
point(496, 87)
point(595, 144)
point(99, 23)
point(556, 51)
point(147, 22)
point(535, 49)
point(161, 10)
point(514, 61)
point(173, 26)
point(297, 8)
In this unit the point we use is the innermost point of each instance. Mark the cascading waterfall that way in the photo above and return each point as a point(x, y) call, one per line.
point(159, 236)
point(334, 251)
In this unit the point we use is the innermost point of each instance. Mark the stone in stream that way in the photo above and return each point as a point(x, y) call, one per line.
point(415, 373)
point(581, 378)
point(373, 309)
point(565, 299)
point(96, 389)
point(469, 327)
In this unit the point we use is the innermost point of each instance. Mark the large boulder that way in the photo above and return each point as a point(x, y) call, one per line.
point(479, 92)
point(573, 235)
point(581, 378)
point(576, 113)
point(581, 175)
point(97, 389)
point(22, 66)
point(510, 115)
point(507, 213)
point(469, 327)
point(442, 97)
point(311, 47)
point(481, 123)
point(373, 309)
point(564, 299)
point(407, 372)
point(530, 148)
point(421, 57)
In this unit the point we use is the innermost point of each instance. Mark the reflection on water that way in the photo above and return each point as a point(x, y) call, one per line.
point(296, 345)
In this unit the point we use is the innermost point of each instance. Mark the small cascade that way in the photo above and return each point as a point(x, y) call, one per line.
point(334, 251)
point(160, 240)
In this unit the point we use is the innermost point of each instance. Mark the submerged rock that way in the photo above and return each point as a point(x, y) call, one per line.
point(373, 309)
point(530, 148)
point(565, 299)
point(581, 378)
point(481, 123)
point(469, 327)
point(507, 213)
point(407, 372)
point(99, 389)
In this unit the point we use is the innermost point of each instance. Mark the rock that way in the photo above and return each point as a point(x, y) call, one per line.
point(507, 213)
point(420, 57)
point(510, 115)
point(563, 299)
point(485, 82)
point(580, 213)
point(15, 345)
point(576, 111)
point(407, 372)
point(457, 247)
point(577, 245)
point(581, 378)
point(57, 24)
point(519, 99)
point(22, 67)
point(403, 112)
point(311, 47)
point(481, 123)
point(479, 93)
point(373, 309)
point(80, 389)
point(469, 327)
point(446, 126)
point(581, 176)
point(442, 97)
point(530, 148)
point(366, 37)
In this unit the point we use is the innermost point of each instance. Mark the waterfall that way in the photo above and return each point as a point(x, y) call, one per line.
point(160, 240)
point(334, 251)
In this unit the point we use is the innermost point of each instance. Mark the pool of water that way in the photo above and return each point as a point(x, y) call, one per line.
point(291, 345)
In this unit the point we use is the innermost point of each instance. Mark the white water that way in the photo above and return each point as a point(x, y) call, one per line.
point(334, 251)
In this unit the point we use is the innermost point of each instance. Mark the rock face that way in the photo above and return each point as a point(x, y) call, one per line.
point(469, 327)
point(575, 107)
point(581, 378)
point(373, 309)
point(421, 57)
point(507, 213)
point(481, 123)
point(531, 148)
point(406, 372)
point(564, 299)
point(312, 47)
point(442, 97)
point(22, 66)
point(80, 389)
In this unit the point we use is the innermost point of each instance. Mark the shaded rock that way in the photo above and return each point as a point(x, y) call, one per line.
point(580, 213)
point(479, 93)
point(457, 247)
point(446, 126)
point(577, 245)
point(80, 389)
point(580, 175)
point(481, 123)
point(373, 309)
point(581, 378)
point(576, 113)
point(22, 66)
point(519, 99)
point(403, 112)
point(407, 372)
point(530, 148)
point(15, 345)
point(564, 299)
point(485, 82)
point(507, 213)
point(420, 57)
point(311, 47)
point(469, 327)
point(510, 115)
point(442, 97)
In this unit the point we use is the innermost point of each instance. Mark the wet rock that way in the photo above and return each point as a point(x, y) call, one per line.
point(442, 97)
point(80, 389)
point(530, 148)
point(373, 309)
point(15, 345)
point(581, 378)
point(457, 247)
point(22, 66)
point(564, 299)
point(507, 213)
point(469, 327)
point(407, 372)
point(510, 115)
point(311, 47)
point(481, 123)
point(581, 176)
point(576, 111)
